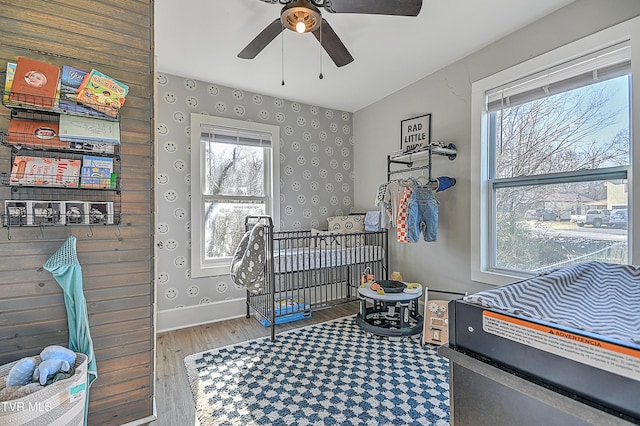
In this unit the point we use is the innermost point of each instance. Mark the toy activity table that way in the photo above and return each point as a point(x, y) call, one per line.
point(391, 314)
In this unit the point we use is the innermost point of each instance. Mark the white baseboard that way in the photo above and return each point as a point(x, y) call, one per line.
point(175, 319)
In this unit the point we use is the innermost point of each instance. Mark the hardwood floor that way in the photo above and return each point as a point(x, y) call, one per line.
point(174, 403)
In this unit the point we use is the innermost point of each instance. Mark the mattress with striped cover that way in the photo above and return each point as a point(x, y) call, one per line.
point(597, 297)
point(305, 259)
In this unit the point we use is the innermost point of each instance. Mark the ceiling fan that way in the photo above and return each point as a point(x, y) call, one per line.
point(304, 16)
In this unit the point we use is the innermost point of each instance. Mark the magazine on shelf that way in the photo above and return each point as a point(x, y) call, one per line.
point(89, 129)
point(41, 171)
point(36, 134)
point(70, 80)
point(96, 172)
point(102, 93)
point(35, 83)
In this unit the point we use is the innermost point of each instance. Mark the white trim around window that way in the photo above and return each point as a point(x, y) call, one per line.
point(480, 155)
point(199, 123)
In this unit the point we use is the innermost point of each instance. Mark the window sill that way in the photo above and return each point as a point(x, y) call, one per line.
point(210, 271)
point(497, 278)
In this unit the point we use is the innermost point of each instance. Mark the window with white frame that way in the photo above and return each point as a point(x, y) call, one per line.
point(553, 163)
point(234, 174)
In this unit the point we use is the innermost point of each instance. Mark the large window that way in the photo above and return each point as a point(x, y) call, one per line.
point(233, 175)
point(554, 163)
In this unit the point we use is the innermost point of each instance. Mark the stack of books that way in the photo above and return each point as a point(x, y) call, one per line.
point(90, 172)
point(31, 83)
point(39, 212)
point(70, 80)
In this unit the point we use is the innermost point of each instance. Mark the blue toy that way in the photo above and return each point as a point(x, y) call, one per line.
point(58, 352)
point(49, 368)
point(21, 373)
point(54, 359)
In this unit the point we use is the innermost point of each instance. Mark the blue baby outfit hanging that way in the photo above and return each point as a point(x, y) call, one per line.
point(66, 270)
point(422, 214)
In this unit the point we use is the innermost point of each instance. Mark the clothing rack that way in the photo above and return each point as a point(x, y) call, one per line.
point(410, 158)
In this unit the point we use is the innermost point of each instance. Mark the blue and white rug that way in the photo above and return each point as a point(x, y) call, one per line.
point(325, 374)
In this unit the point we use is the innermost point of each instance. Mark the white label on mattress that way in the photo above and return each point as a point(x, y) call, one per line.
point(594, 352)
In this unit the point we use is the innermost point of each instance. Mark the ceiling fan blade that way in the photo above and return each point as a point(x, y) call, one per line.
point(333, 45)
point(375, 7)
point(262, 40)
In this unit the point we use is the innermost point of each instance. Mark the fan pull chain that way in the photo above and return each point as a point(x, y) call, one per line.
point(282, 53)
point(321, 76)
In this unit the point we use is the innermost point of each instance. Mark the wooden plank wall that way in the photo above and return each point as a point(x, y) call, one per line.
point(115, 37)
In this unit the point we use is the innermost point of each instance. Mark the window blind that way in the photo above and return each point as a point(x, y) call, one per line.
point(229, 135)
point(605, 64)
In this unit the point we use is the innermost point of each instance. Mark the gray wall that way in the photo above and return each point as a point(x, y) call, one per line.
point(446, 94)
point(316, 172)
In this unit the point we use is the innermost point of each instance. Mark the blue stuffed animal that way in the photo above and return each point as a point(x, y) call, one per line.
point(54, 359)
point(21, 372)
point(58, 352)
point(49, 368)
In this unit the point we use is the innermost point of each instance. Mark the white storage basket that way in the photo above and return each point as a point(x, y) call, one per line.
point(60, 403)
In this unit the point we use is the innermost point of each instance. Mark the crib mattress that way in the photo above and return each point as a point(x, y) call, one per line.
point(576, 329)
point(306, 258)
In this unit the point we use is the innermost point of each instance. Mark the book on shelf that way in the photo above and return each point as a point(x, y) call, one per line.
point(96, 172)
point(102, 93)
point(41, 171)
point(35, 83)
point(100, 212)
point(75, 212)
point(56, 99)
point(36, 134)
point(46, 212)
point(16, 213)
point(96, 147)
point(11, 71)
point(8, 82)
point(70, 80)
point(88, 129)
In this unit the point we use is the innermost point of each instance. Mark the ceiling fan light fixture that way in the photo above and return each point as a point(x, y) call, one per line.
point(301, 16)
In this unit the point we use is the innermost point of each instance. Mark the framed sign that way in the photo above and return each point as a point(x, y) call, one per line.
point(415, 133)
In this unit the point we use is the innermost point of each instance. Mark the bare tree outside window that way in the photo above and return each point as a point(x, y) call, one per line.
point(561, 133)
point(581, 129)
point(234, 181)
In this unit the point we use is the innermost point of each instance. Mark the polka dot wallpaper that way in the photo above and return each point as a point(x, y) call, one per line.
point(316, 174)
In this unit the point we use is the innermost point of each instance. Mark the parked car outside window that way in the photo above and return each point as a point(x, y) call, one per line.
point(618, 218)
point(541, 215)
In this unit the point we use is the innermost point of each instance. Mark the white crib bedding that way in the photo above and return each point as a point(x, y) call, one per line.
point(304, 259)
point(593, 296)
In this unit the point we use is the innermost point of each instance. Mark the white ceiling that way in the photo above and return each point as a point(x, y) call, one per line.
point(201, 39)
